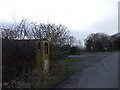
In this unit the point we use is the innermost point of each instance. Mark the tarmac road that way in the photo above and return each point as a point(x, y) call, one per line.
point(96, 70)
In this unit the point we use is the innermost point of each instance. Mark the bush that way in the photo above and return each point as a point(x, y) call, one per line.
point(18, 57)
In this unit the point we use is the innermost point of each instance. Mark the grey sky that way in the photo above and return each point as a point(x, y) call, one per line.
point(82, 17)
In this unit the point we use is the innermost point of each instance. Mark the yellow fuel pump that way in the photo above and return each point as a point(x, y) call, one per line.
point(42, 55)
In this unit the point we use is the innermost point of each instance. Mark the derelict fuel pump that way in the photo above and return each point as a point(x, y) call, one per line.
point(42, 55)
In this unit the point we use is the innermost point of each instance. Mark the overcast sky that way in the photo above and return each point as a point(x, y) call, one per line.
point(82, 17)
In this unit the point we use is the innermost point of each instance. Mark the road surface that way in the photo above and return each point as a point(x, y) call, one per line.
point(96, 70)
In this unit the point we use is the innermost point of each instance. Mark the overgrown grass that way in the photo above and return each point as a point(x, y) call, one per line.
point(59, 71)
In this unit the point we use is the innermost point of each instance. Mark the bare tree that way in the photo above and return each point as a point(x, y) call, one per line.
point(8, 32)
point(56, 34)
point(71, 41)
point(19, 30)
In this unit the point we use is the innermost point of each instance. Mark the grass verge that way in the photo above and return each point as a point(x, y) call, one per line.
point(59, 71)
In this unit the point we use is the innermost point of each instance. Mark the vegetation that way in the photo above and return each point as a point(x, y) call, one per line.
point(59, 71)
point(55, 34)
point(18, 52)
point(102, 42)
point(18, 57)
point(18, 49)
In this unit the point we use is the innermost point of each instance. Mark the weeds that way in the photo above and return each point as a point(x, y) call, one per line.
point(59, 71)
